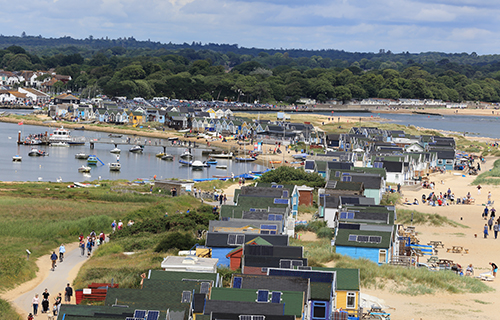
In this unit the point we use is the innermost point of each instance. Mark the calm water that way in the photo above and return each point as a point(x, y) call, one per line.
point(478, 125)
point(61, 162)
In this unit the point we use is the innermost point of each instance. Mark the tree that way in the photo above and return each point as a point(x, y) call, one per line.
point(289, 175)
point(343, 93)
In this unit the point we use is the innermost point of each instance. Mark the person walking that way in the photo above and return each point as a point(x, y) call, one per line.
point(82, 248)
point(68, 293)
point(89, 248)
point(58, 302)
point(113, 225)
point(495, 229)
point(485, 231)
point(35, 303)
point(53, 258)
point(478, 189)
point(485, 213)
point(490, 223)
point(45, 301)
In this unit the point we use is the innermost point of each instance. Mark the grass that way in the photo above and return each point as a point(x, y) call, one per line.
point(218, 184)
point(7, 312)
point(407, 281)
point(489, 177)
point(419, 218)
point(481, 301)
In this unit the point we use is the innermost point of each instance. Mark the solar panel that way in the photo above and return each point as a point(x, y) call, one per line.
point(285, 193)
point(251, 209)
point(353, 237)
point(140, 314)
point(272, 232)
point(265, 232)
point(269, 226)
point(132, 318)
point(186, 297)
point(240, 239)
point(231, 239)
point(363, 238)
point(279, 217)
point(264, 270)
point(243, 317)
point(258, 317)
point(315, 276)
point(271, 217)
point(205, 287)
point(273, 186)
point(237, 282)
point(286, 264)
point(337, 174)
point(297, 263)
point(350, 215)
point(225, 218)
point(343, 215)
point(280, 201)
point(262, 296)
point(279, 186)
point(375, 239)
point(275, 297)
point(304, 268)
point(153, 315)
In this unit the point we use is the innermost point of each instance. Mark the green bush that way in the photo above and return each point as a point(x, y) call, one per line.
point(324, 232)
point(107, 249)
point(176, 240)
point(289, 175)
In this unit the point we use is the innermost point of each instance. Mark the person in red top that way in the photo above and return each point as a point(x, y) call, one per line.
point(80, 238)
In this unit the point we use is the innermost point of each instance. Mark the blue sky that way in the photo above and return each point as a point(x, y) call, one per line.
point(350, 25)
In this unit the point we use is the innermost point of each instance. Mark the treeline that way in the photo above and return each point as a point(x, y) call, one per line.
point(207, 74)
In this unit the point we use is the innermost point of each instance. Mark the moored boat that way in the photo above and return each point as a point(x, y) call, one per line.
point(59, 144)
point(92, 160)
point(84, 169)
point(187, 155)
point(224, 167)
point(81, 155)
point(245, 159)
point(17, 158)
point(37, 153)
point(167, 157)
point(115, 150)
point(184, 162)
point(197, 165)
point(211, 161)
point(221, 155)
point(115, 135)
point(115, 166)
point(136, 149)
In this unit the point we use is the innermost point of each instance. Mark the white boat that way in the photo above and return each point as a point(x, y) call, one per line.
point(84, 169)
point(81, 155)
point(136, 149)
point(187, 155)
point(197, 165)
point(221, 155)
point(37, 153)
point(64, 135)
point(115, 150)
point(224, 167)
point(59, 144)
point(115, 166)
point(167, 157)
point(17, 158)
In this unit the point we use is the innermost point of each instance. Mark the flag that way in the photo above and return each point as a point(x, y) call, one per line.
point(20, 123)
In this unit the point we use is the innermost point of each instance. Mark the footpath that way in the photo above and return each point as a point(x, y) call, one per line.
point(55, 281)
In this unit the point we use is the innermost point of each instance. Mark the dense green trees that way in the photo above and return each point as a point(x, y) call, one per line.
point(193, 72)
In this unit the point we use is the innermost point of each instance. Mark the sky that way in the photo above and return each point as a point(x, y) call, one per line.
point(352, 25)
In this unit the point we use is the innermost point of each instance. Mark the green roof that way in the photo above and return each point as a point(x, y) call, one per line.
point(289, 187)
point(321, 165)
point(179, 275)
point(342, 238)
point(153, 299)
point(259, 202)
point(321, 291)
point(347, 279)
point(380, 171)
point(351, 186)
point(172, 286)
point(291, 299)
point(259, 241)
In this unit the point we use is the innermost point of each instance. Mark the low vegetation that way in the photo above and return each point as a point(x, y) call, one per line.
point(290, 175)
point(402, 280)
point(408, 217)
point(7, 312)
point(491, 177)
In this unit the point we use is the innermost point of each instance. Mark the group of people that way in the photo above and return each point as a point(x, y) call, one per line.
point(45, 303)
point(441, 199)
point(92, 241)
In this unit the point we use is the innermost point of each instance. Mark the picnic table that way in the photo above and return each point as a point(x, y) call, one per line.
point(457, 249)
point(436, 244)
point(445, 263)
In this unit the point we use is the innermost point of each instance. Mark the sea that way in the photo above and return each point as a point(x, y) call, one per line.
point(61, 164)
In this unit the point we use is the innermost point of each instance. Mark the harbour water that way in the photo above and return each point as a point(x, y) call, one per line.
point(61, 162)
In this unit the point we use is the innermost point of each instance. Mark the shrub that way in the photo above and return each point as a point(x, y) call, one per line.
point(176, 240)
point(324, 232)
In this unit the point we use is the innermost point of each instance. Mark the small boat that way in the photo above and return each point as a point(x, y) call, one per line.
point(80, 128)
point(92, 160)
point(37, 153)
point(187, 155)
point(115, 150)
point(81, 155)
point(211, 161)
point(161, 154)
point(115, 166)
point(59, 144)
point(198, 165)
point(221, 155)
point(17, 158)
point(224, 167)
point(275, 161)
point(115, 135)
point(167, 157)
point(84, 169)
point(246, 159)
point(184, 162)
point(136, 149)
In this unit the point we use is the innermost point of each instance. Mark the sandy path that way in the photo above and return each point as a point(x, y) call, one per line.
point(481, 252)
point(55, 281)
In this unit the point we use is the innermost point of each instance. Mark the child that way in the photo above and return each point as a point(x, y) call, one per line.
point(30, 317)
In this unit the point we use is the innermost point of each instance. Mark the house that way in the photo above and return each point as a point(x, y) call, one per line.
point(366, 242)
point(395, 171)
point(246, 226)
point(35, 95)
point(347, 289)
point(330, 205)
point(189, 263)
point(256, 259)
point(214, 278)
point(222, 243)
point(346, 187)
point(445, 157)
point(136, 118)
point(66, 98)
point(235, 255)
